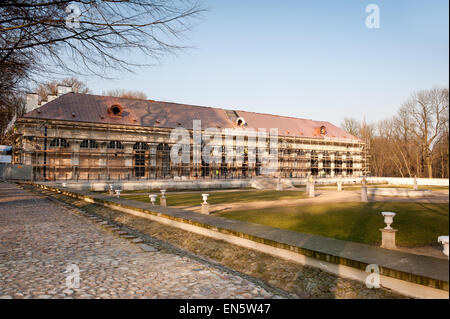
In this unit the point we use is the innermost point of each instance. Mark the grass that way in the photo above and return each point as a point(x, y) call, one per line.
point(418, 224)
point(195, 199)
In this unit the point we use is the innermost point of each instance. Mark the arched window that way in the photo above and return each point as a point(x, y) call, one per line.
point(59, 142)
point(89, 144)
point(140, 146)
point(115, 145)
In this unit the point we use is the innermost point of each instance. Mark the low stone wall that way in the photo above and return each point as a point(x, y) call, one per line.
point(156, 184)
point(404, 192)
point(420, 181)
point(375, 180)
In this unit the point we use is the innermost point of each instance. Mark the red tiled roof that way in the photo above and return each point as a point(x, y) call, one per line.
point(96, 109)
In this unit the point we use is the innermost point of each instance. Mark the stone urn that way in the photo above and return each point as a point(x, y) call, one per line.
point(153, 198)
point(163, 192)
point(64, 184)
point(388, 219)
point(118, 193)
point(444, 241)
point(205, 198)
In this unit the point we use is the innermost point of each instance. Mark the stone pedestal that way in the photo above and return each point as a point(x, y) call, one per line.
point(205, 208)
point(415, 187)
point(279, 186)
point(339, 185)
point(162, 201)
point(364, 194)
point(388, 238)
point(311, 190)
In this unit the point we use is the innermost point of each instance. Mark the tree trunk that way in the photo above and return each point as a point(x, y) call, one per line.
point(429, 166)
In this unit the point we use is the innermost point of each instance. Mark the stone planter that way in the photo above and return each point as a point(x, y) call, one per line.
point(444, 241)
point(388, 233)
point(162, 200)
point(153, 198)
point(388, 219)
point(205, 198)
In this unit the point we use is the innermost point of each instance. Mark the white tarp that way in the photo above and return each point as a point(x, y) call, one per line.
point(5, 158)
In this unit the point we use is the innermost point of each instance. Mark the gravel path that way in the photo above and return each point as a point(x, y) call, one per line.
point(40, 239)
point(322, 196)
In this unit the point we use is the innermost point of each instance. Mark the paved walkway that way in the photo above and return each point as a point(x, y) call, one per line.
point(39, 239)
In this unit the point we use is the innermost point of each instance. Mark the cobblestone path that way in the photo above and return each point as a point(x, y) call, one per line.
point(40, 239)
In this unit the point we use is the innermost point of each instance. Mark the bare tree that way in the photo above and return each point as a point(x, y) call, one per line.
point(427, 111)
point(50, 88)
point(88, 35)
point(351, 126)
point(413, 142)
point(126, 94)
point(10, 109)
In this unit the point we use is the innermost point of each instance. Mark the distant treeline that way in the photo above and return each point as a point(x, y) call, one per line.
point(414, 142)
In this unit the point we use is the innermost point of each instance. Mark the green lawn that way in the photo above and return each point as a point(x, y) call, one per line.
point(417, 223)
point(195, 199)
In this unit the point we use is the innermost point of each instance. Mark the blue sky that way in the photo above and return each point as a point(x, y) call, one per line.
point(308, 59)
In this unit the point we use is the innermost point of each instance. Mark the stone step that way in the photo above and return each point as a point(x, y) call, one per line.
point(128, 236)
point(147, 248)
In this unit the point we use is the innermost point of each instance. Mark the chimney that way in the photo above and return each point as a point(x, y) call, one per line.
point(51, 97)
point(32, 102)
point(62, 89)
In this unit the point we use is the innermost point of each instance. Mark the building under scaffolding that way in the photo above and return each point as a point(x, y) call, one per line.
point(88, 137)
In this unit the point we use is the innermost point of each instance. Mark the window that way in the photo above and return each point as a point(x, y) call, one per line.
point(115, 110)
point(59, 142)
point(140, 146)
point(240, 121)
point(139, 164)
point(89, 144)
point(162, 160)
point(115, 145)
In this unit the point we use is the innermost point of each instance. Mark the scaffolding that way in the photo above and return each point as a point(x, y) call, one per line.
point(55, 152)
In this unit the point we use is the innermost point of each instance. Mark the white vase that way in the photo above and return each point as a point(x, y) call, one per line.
point(388, 219)
point(153, 198)
point(205, 198)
